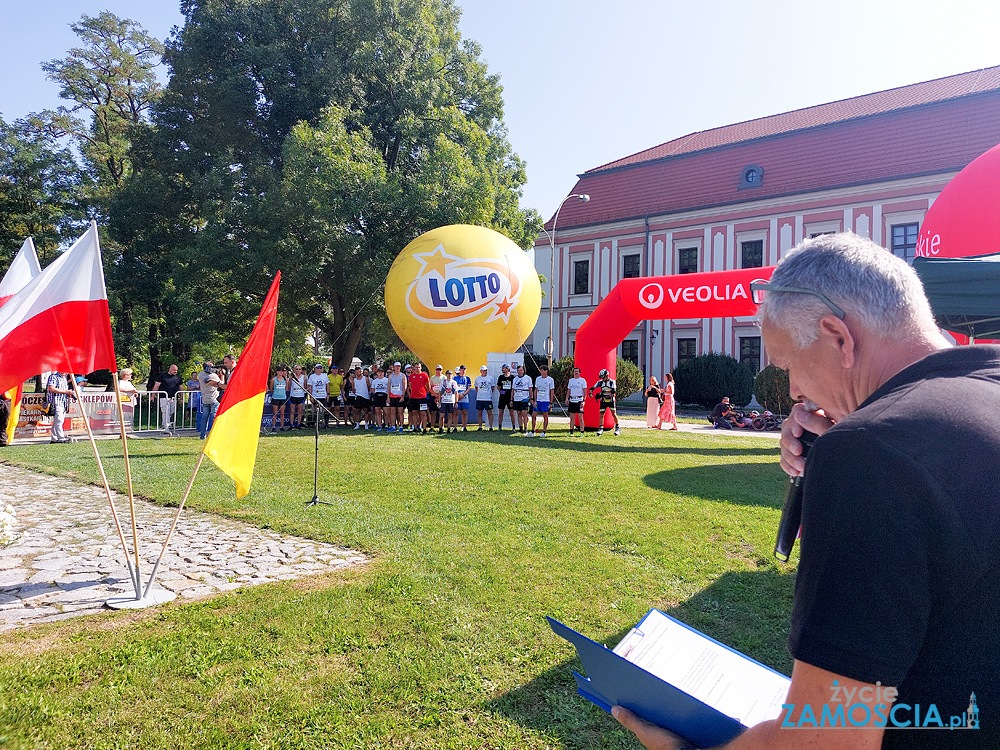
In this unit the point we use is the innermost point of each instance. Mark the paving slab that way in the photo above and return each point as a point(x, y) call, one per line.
point(67, 559)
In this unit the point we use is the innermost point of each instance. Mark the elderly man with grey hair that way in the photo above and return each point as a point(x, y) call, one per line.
point(897, 594)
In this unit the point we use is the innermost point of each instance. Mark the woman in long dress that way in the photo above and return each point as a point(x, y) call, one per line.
point(667, 413)
point(652, 403)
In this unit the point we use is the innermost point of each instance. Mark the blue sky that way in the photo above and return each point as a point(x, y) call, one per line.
point(590, 81)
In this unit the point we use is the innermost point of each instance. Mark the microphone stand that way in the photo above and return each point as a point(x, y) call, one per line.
point(315, 499)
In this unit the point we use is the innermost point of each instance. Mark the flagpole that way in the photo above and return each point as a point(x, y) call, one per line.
point(177, 515)
point(128, 478)
point(107, 487)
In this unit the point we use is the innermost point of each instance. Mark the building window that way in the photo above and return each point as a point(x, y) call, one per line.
point(687, 260)
point(630, 352)
point(753, 254)
point(750, 352)
point(630, 266)
point(904, 241)
point(686, 349)
point(581, 277)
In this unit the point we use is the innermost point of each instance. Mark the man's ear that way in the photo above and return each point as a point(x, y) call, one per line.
point(838, 334)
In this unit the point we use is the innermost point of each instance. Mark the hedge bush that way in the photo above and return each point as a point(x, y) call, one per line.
point(627, 376)
point(705, 379)
point(771, 389)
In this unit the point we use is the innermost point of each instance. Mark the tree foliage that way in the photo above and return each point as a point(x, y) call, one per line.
point(111, 82)
point(705, 379)
point(771, 389)
point(40, 189)
point(319, 138)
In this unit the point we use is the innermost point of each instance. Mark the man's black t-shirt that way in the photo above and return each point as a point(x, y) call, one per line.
point(719, 410)
point(505, 384)
point(169, 383)
point(899, 576)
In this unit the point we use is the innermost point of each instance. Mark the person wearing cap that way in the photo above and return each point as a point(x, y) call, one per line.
point(448, 395)
point(397, 397)
point(210, 383)
point(720, 414)
point(318, 384)
point(505, 384)
point(434, 418)
point(462, 404)
point(419, 392)
point(484, 397)
point(542, 397)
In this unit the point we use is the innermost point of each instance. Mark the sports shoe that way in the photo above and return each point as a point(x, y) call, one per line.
point(491, 429)
point(481, 428)
point(541, 434)
point(357, 425)
point(618, 430)
point(465, 429)
point(529, 433)
point(600, 431)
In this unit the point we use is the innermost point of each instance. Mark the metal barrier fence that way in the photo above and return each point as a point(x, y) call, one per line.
point(149, 415)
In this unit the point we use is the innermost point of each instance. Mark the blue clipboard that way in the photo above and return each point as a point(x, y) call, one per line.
point(614, 681)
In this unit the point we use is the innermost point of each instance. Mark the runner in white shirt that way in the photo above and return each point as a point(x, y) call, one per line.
point(448, 396)
point(544, 386)
point(297, 397)
point(362, 398)
point(576, 394)
point(317, 384)
point(380, 397)
point(520, 398)
point(397, 397)
point(484, 397)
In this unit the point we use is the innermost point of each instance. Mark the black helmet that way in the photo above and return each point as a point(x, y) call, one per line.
point(603, 373)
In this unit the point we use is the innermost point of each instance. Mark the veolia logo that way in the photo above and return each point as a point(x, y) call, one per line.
point(449, 288)
point(650, 296)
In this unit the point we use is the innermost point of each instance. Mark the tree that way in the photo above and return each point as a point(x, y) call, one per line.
point(110, 85)
point(319, 137)
point(111, 80)
point(40, 187)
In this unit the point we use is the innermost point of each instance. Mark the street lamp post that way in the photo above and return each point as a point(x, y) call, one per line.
point(583, 197)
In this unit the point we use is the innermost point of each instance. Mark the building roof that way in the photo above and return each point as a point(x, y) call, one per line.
point(926, 128)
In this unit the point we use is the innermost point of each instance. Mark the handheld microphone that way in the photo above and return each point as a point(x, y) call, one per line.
point(791, 513)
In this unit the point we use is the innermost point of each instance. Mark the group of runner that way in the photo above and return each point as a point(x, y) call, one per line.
point(405, 398)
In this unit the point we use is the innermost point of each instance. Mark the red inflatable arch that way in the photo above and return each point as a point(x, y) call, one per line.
point(719, 294)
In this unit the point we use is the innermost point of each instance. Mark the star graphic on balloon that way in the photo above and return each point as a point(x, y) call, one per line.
point(503, 308)
point(436, 260)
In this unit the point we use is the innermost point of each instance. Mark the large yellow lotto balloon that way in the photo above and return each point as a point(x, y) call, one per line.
point(458, 292)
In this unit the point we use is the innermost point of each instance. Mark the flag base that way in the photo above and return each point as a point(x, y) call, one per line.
point(155, 597)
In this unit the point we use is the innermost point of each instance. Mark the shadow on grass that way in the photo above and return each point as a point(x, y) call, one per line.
point(760, 485)
point(748, 611)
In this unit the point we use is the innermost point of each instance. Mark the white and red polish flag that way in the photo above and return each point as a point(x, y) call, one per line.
point(60, 319)
point(22, 269)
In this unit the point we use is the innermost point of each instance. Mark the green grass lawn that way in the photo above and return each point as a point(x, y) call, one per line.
point(441, 641)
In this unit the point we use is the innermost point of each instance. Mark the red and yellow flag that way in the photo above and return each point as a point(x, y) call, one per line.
point(232, 443)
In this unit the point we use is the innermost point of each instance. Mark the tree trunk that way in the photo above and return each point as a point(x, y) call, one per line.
point(350, 342)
